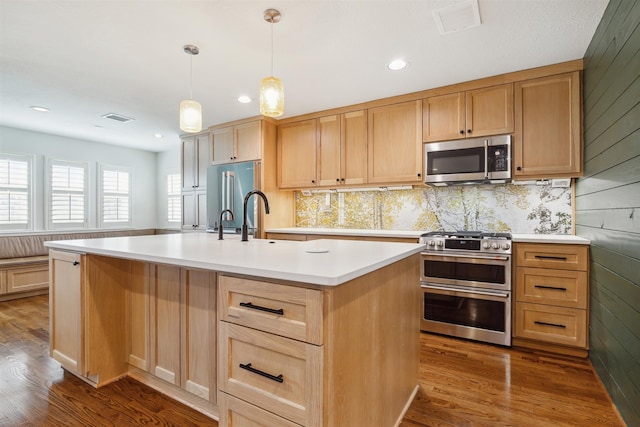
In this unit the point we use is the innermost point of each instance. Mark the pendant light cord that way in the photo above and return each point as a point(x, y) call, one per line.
point(271, 48)
point(191, 78)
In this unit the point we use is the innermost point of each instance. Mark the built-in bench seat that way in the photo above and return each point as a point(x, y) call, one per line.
point(24, 260)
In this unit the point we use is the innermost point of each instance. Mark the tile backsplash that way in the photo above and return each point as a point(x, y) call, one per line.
point(512, 208)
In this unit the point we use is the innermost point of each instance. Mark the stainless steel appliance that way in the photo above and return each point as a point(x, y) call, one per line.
point(466, 285)
point(226, 187)
point(468, 160)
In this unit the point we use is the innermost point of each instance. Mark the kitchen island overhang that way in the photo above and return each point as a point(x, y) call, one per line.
point(363, 296)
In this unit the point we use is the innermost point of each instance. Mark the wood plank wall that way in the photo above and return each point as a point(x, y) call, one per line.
point(608, 202)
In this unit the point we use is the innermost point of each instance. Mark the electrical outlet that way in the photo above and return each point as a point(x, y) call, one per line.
point(561, 183)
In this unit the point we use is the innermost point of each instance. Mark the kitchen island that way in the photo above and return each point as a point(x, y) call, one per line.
point(319, 333)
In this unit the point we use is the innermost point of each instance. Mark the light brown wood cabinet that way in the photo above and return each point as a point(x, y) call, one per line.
point(296, 151)
point(469, 114)
point(194, 210)
point(87, 323)
point(238, 143)
point(182, 328)
point(19, 280)
point(547, 141)
point(395, 143)
point(551, 297)
point(342, 158)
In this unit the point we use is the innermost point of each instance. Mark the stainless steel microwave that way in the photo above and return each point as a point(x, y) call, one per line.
point(468, 160)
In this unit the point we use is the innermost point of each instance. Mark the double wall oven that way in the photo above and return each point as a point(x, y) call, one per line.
point(465, 279)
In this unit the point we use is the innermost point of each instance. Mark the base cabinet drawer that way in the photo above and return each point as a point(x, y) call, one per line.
point(559, 325)
point(283, 310)
point(554, 256)
point(274, 373)
point(563, 288)
point(28, 278)
point(238, 413)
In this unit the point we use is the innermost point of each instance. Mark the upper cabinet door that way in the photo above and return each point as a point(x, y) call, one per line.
point(330, 168)
point(489, 111)
point(548, 127)
point(247, 138)
point(188, 163)
point(203, 159)
point(354, 147)
point(443, 117)
point(223, 145)
point(296, 149)
point(474, 113)
point(395, 143)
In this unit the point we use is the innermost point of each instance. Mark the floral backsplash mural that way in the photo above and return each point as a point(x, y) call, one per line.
point(498, 208)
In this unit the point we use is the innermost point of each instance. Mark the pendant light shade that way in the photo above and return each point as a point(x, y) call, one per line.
point(271, 97)
point(190, 116)
point(190, 110)
point(271, 90)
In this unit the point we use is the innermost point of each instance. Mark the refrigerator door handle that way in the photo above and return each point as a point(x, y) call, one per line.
point(228, 192)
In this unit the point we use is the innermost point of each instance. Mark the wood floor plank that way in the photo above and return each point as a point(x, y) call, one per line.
point(462, 383)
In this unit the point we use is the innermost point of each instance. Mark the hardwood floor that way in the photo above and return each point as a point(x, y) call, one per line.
point(462, 383)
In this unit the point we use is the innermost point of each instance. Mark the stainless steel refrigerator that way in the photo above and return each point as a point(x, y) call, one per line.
point(226, 187)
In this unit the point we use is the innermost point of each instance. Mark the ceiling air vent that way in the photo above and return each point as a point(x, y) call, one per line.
point(117, 117)
point(458, 17)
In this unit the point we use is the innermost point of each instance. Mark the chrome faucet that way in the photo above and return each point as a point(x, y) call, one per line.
point(245, 231)
point(220, 220)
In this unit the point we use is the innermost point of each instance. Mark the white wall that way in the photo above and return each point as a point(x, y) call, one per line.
point(144, 176)
point(168, 162)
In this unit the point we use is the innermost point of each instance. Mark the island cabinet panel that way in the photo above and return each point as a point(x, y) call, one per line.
point(139, 316)
point(283, 310)
point(547, 141)
point(88, 316)
point(395, 143)
point(165, 322)
point(198, 333)
point(551, 290)
point(275, 373)
point(66, 302)
point(182, 309)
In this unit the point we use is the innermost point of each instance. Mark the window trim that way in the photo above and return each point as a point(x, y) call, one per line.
point(49, 194)
point(120, 224)
point(31, 161)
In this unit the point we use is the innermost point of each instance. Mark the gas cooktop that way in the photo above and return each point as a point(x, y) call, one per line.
point(478, 241)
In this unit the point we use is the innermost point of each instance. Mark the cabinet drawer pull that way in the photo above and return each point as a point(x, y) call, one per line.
point(248, 367)
point(555, 288)
point(557, 325)
point(279, 311)
point(560, 258)
point(76, 262)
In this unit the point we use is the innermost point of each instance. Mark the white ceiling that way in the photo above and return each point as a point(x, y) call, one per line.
point(83, 59)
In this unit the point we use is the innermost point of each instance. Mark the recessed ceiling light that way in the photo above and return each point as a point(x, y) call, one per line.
point(244, 99)
point(397, 64)
point(39, 109)
point(158, 135)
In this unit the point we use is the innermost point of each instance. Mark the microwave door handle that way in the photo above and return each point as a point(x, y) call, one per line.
point(486, 159)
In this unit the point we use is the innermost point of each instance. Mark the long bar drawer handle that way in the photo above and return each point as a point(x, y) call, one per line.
point(249, 368)
point(279, 311)
point(555, 288)
point(560, 258)
point(557, 325)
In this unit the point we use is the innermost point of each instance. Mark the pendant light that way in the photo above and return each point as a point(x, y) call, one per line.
point(271, 91)
point(190, 110)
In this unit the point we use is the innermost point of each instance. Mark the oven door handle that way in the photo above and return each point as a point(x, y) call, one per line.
point(451, 291)
point(477, 256)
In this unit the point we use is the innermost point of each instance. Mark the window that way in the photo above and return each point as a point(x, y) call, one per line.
point(67, 202)
point(15, 192)
point(173, 195)
point(115, 196)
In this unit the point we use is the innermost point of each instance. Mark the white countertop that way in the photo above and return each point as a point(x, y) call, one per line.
point(322, 262)
point(528, 238)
